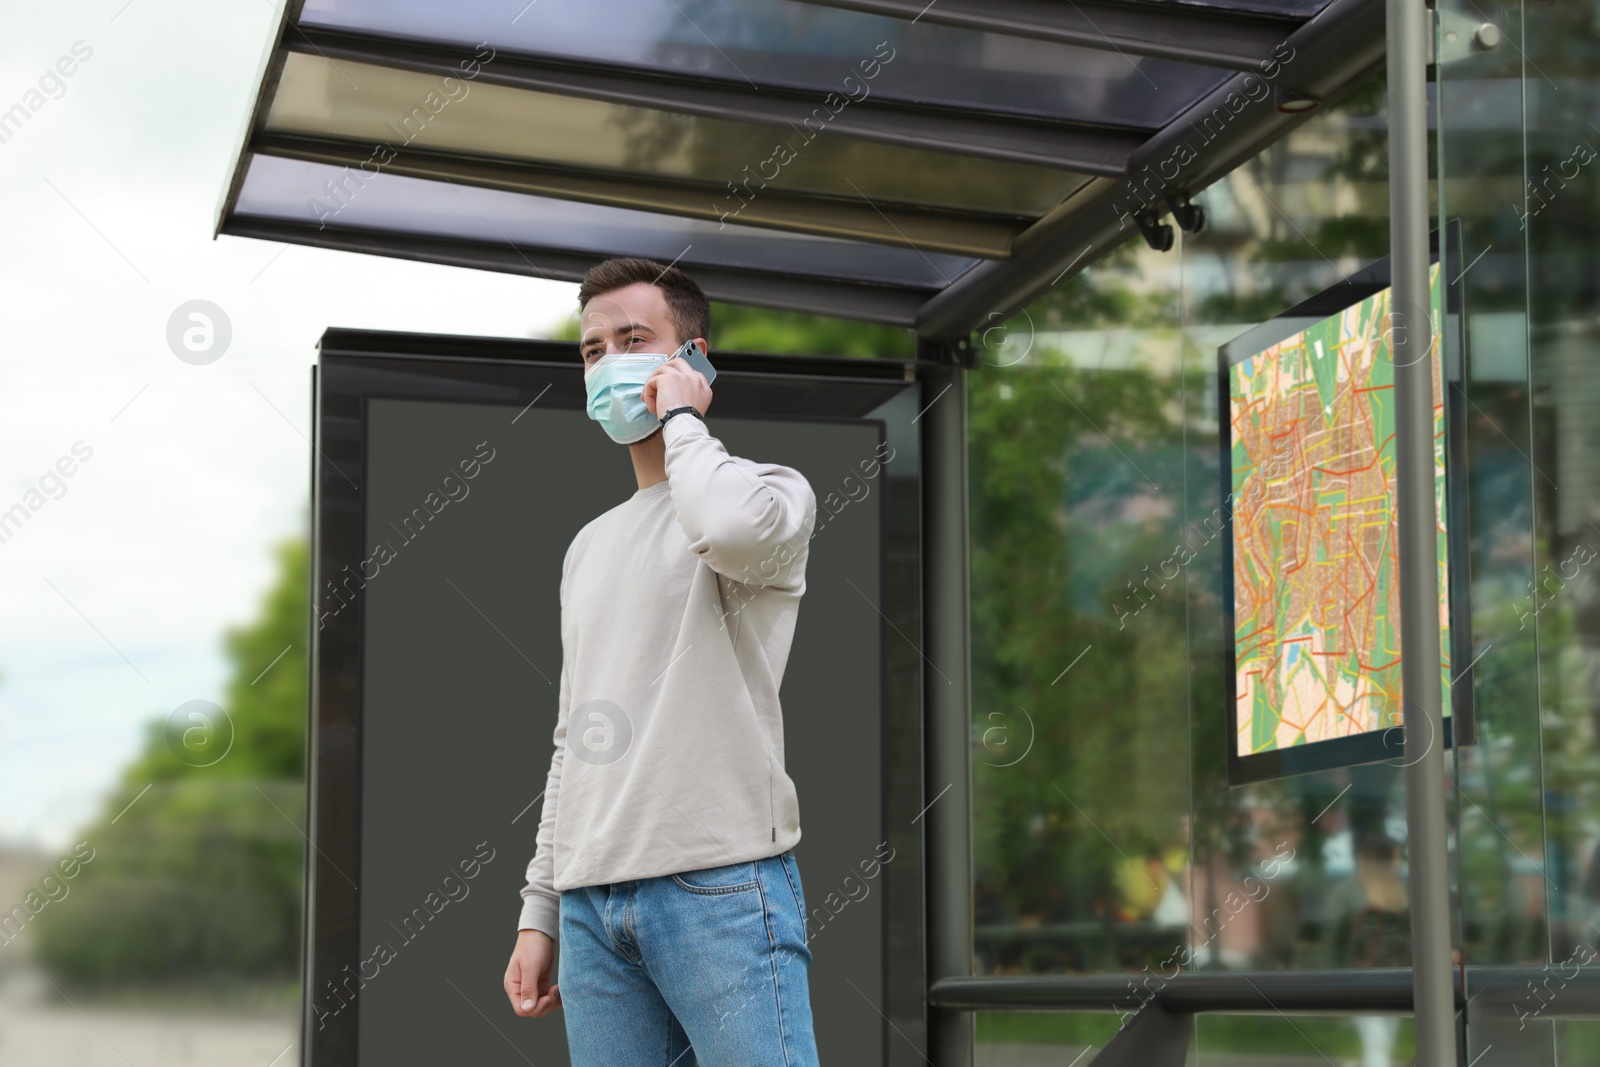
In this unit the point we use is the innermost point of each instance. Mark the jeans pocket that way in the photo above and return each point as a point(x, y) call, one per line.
point(710, 881)
point(791, 868)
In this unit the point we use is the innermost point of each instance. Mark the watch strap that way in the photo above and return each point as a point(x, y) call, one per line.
point(680, 411)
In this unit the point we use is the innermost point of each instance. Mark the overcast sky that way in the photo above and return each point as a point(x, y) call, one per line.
point(116, 591)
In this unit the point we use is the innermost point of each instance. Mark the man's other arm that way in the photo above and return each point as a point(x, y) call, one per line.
point(527, 977)
point(541, 904)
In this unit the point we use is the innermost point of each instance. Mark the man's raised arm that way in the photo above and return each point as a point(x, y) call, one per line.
point(751, 525)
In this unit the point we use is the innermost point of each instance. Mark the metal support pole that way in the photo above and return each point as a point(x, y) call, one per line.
point(1409, 23)
point(947, 822)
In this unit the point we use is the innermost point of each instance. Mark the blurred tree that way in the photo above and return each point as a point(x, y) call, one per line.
point(197, 870)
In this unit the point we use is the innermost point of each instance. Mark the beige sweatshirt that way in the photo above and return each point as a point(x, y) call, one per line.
point(678, 607)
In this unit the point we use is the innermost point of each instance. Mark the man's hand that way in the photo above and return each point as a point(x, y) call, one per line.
point(528, 975)
point(675, 384)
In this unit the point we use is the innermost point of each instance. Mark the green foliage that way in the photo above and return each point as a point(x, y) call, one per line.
point(740, 327)
point(197, 871)
point(200, 879)
point(744, 328)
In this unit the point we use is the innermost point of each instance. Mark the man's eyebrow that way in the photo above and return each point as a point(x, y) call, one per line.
point(627, 327)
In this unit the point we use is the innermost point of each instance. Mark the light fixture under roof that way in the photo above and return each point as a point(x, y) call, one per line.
point(1292, 101)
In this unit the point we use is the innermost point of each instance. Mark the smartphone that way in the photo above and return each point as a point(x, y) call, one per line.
point(696, 358)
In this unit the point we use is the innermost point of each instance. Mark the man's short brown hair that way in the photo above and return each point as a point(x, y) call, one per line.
point(687, 305)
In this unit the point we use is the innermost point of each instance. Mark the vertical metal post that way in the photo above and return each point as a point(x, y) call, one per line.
point(947, 822)
point(1409, 23)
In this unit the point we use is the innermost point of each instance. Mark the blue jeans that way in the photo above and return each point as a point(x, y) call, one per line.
point(704, 968)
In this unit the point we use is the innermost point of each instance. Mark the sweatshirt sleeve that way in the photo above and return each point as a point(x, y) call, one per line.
point(751, 525)
point(541, 904)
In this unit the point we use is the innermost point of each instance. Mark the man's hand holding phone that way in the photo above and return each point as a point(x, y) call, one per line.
point(677, 383)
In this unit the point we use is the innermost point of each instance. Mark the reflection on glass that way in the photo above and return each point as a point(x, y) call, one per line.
point(805, 46)
point(1499, 802)
point(1079, 745)
point(1107, 838)
point(1303, 215)
point(382, 106)
point(1520, 155)
point(1106, 835)
point(1302, 8)
point(296, 191)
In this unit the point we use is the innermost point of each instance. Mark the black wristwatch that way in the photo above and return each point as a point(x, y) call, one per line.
point(679, 411)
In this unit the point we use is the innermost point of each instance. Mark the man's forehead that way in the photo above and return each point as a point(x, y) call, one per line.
point(634, 305)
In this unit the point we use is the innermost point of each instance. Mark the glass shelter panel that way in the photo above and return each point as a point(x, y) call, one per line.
point(1519, 96)
point(1299, 872)
point(1080, 747)
point(1123, 847)
point(1107, 835)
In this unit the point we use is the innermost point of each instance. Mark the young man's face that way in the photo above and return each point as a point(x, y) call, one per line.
point(631, 319)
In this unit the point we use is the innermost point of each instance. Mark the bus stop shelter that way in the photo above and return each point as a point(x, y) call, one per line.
point(933, 166)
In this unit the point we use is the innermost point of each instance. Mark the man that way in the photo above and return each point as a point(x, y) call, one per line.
point(664, 857)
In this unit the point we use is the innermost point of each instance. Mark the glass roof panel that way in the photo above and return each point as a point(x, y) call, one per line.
point(347, 197)
point(372, 104)
point(805, 46)
point(1302, 9)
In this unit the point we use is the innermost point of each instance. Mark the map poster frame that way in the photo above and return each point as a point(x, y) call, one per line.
point(1380, 743)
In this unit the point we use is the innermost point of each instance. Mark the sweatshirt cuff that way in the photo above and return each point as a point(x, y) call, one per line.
point(678, 425)
point(542, 914)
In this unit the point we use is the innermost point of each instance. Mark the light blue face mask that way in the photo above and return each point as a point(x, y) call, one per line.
point(615, 386)
point(615, 389)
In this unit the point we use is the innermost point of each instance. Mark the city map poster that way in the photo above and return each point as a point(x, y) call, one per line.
point(1315, 558)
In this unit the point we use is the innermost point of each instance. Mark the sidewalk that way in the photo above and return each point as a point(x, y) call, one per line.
point(38, 1027)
